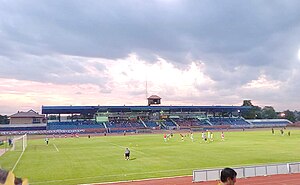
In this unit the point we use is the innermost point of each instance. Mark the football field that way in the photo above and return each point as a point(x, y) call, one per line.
point(70, 161)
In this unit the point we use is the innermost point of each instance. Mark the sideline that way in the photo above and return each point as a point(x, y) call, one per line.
point(2, 151)
point(18, 161)
point(113, 175)
point(138, 180)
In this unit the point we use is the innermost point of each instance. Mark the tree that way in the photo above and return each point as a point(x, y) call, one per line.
point(289, 115)
point(52, 117)
point(247, 103)
point(253, 113)
point(297, 115)
point(268, 112)
point(4, 119)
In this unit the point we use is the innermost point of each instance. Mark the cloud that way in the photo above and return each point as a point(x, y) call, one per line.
point(53, 69)
point(89, 42)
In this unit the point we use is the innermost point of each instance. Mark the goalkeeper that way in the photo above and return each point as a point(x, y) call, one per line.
point(8, 178)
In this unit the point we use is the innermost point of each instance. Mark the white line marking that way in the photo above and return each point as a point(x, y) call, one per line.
point(139, 180)
point(113, 175)
point(18, 161)
point(55, 147)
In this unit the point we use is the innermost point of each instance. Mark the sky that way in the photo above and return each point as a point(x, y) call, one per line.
point(189, 52)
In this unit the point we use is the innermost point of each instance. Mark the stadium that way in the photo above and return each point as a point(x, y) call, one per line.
point(81, 85)
point(70, 145)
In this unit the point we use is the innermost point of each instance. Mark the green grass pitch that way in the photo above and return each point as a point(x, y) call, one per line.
point(69, 161)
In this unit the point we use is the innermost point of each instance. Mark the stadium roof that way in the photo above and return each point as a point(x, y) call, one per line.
point(94, 109)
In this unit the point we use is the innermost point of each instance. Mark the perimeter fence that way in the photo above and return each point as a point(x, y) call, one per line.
point(248, 171)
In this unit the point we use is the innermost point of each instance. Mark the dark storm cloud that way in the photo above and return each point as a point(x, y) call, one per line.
point(112, 29)
point(238, 41)
point(47, 69)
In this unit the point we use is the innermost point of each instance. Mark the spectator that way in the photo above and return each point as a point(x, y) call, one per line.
point(228, 176)
point(8, 178)
point(10, 143)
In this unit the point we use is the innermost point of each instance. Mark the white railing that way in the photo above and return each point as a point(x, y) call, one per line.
point(248, 171)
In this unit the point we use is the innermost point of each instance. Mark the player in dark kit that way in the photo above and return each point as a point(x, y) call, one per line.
point(282, 132)
point(8, 178)
point(127, 154)
point(181, 137)
point(10, 143)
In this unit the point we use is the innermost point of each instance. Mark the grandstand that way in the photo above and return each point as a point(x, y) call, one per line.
point(123, 124)
point(131, 118)
point(228, 121)
point(110, 119)
point(74, 125)
point(151, 124)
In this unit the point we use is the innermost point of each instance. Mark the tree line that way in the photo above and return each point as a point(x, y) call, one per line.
point(4, 119)
point(268, 112)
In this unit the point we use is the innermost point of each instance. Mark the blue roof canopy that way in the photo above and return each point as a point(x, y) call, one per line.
point(94, 109)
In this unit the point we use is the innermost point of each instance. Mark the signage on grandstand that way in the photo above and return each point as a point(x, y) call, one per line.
point(154, 100)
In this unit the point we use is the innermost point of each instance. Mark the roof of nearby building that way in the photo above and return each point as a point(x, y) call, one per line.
point(28, 114)
point(154, 97)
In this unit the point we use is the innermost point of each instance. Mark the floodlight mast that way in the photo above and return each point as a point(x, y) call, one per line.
point(146, 88)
